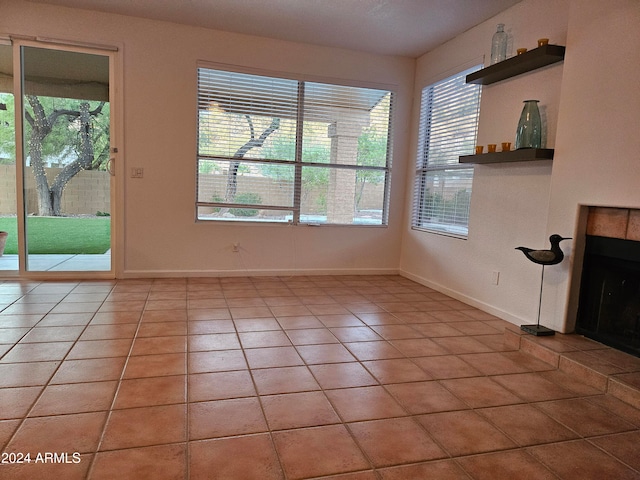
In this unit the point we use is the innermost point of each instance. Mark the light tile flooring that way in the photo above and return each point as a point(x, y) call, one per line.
point(357, 378)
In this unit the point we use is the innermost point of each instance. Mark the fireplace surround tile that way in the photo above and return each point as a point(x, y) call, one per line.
point(633, 229)
point(607, 222)
point(611, 222)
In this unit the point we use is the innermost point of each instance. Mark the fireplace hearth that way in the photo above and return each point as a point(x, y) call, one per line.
point(609, 306)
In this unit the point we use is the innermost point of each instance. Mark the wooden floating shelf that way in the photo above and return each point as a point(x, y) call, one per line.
point(529, 60)
point(520, 155)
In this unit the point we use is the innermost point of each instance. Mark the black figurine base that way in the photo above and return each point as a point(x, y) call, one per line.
point(537, 330)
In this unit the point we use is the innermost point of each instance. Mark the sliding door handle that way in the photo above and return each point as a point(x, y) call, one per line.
point(111, 167)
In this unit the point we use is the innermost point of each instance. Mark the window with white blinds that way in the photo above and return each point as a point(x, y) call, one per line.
point(280, 150)
point(448, 127)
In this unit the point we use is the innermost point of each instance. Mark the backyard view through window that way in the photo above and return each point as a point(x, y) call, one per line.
point(448, 128)
point(280, 150)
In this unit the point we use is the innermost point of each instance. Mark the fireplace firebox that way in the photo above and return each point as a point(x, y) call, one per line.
point(609, 305)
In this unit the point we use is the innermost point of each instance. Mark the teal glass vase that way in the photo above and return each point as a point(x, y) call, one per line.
point(529, 133)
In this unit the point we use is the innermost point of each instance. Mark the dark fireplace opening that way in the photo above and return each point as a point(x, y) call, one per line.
point(609, 306)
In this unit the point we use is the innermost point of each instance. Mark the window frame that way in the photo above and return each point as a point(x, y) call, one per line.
point(298, 163)
point(450, 168)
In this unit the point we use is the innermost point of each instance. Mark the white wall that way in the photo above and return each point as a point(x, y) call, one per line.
point(509, 204)
point(598, 139)
point(593, 114)
point(159, 235)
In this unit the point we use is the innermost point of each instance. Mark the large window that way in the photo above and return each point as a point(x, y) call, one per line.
point(448, 127)
point(280, 150)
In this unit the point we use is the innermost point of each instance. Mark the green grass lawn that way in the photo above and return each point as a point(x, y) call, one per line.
point(50, 235)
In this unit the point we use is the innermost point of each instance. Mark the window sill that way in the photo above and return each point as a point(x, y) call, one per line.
point(271, 223)
point(444, 231)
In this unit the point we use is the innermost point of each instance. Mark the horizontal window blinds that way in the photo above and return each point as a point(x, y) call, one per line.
point(272, 149)
point(447, 129)
point(238, 113)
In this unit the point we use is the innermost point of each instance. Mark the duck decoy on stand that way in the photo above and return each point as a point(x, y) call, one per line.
point(552, 256)
point(546, 257)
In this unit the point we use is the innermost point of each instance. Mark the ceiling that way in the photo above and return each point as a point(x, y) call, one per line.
point(388, 27)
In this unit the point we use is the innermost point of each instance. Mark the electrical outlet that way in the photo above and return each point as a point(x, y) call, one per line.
point(137, 172)
point(495, 278)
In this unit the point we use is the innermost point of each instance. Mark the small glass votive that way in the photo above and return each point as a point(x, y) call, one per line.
point(479, 149)
point(491, 147)
point(506, 146)
point(520, 51)
point(543, 41)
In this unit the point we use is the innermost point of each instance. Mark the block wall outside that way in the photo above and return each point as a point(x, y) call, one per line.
point(7, 189)
point(86, 193)
point(279, 192)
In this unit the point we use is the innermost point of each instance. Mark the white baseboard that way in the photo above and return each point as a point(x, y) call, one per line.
point(257, 272)
point(503, 315)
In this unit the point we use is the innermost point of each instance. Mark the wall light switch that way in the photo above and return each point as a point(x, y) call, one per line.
point(137, 172)
point(495, 278)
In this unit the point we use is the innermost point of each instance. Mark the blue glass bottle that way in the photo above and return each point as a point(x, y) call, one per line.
point(529, 133)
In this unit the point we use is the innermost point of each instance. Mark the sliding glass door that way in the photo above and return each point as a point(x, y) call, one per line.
point(61, 222)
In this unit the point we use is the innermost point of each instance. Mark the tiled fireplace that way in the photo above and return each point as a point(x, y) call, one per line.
point(609, 307)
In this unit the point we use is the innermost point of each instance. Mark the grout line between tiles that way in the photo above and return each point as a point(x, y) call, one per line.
point(115, 396)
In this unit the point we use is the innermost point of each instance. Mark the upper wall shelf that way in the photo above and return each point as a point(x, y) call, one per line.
point(530, 60)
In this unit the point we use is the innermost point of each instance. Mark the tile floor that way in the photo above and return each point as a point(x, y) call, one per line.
point(357, 378)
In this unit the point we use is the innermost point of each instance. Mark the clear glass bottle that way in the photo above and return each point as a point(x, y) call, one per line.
point(499, 45)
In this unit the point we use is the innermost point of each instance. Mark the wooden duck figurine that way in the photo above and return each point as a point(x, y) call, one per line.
point(546, 257)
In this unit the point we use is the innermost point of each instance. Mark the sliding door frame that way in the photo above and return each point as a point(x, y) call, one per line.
point(115, 163)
